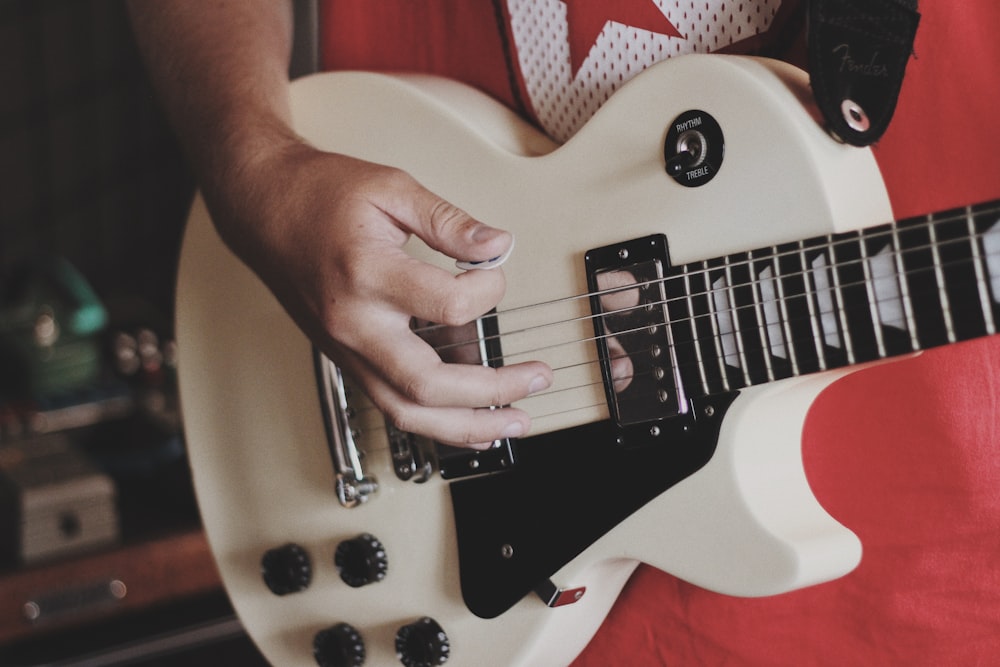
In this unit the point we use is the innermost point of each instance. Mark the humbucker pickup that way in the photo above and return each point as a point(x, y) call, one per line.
point(632, 329)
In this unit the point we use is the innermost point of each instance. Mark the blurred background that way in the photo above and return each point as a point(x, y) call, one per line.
point(102, 560)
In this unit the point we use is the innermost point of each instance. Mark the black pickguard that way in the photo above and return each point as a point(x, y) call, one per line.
point(517, 528)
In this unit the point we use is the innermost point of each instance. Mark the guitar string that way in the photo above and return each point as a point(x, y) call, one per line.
point(834, 241)
point(754, 283)
point(758, 325)
point(602, 404)
point(680, 368)
point(855, 239)
point(762, 327)
point(741, 361)
point(727, 357)
point(710, 293)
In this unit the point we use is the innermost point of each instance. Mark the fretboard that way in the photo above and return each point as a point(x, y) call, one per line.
point(837, 300)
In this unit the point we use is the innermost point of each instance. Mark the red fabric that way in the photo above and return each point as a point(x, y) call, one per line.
point(460, 40)
point(943, 146)
point(905, 454)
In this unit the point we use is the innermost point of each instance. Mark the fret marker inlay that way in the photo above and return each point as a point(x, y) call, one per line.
point(991, 246)
point(772, 317)
point(824, 296)
point(889, 300)
point(836, 300)
point(724, 316)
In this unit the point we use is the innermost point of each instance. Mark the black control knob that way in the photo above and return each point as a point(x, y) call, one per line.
point(361, 560)
point(286, 569)
point(339, 646)
point(422, 644)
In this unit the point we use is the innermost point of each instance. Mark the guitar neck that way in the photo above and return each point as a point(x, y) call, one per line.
point(836, 300)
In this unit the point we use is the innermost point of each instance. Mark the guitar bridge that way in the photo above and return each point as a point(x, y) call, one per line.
point(353, 486)
point(477, 342)
point(636, 350)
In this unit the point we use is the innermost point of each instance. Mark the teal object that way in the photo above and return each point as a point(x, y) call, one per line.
point(86, 314)
point(50, 325)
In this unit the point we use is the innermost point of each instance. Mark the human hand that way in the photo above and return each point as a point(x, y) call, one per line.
point(326, 232)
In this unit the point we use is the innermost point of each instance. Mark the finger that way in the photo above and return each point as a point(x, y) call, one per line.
point(477, 428)
point(431, 293)
point(419, 374)
point(416, 370)
point(461, 426)
point(443, 226)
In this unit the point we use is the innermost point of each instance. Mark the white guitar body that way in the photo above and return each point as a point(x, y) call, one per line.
point(745, 524)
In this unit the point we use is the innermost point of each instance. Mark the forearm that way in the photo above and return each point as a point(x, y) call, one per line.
point(220, 70)
point(326, 232)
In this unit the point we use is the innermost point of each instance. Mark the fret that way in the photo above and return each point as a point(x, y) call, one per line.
point(873, 302)
point(693, 330)
point(918, 260)
point(724, 327)
point(772, 306)
point(751, 343)
point(834, 335)
point(706, 323)
point(775, 310)
point(835, 300)
point(840, 308)
point(894, 333)
point(725, 313)
point(981, 272)
point(678, 353)
point(904, 289)
point(684, 336)
point(793, 307)
point(949, 323)
point(767, 348)
point(958, 271)
point(852, 291)
point(989, 229)
point(812, 306)
point(772, 316)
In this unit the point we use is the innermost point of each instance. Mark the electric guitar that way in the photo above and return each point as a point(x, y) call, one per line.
point(697, 264)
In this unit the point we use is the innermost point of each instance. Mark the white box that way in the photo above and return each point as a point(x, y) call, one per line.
point(54, 501)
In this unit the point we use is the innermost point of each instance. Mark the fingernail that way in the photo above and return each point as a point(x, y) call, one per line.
point(513, 430)
point(491, 263)
point(483, 233)
point(539, 383)
point(482, 446)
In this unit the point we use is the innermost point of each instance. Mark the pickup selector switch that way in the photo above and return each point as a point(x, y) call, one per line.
point(361, 560)
point(339, 646)
point(422, 644)
point(694, 148)
point(286, 569)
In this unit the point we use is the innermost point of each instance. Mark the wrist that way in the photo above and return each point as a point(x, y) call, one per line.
point(248, 179)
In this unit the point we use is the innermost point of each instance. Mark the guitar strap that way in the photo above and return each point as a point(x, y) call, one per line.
point(858, 51)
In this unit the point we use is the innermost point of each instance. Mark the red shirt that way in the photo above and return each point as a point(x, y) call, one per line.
point(905, 454)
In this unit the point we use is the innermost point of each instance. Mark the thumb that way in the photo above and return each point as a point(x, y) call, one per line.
point(448, 229)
